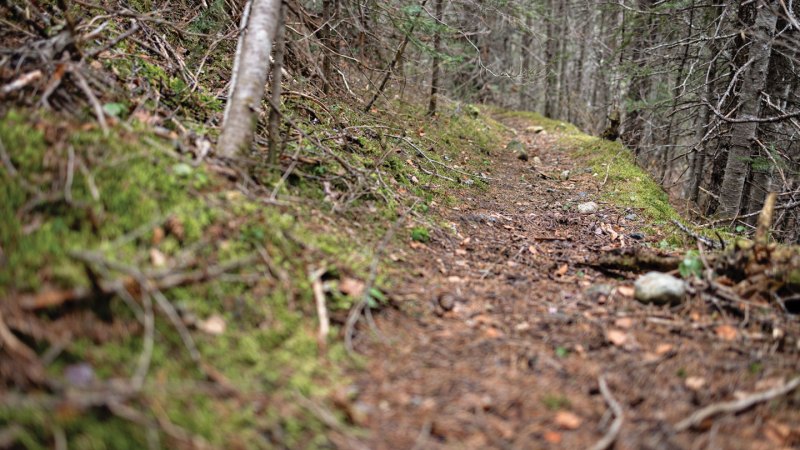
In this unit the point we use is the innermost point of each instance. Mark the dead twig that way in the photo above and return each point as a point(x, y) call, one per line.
point(613, 431)
point(315, 276)
point(735, 406)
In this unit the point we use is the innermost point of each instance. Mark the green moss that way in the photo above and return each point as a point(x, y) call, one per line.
point(627, 184)
point(419, 234)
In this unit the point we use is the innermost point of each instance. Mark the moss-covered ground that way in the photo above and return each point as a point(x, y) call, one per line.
point(140, 204)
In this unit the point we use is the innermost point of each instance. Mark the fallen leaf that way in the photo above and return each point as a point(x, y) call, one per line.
point(214, 325)
point(562, 270)
point(352, 287)
point(624, 322)
point(617, 337)
point(552, 437)
point(695, 383)
point(157, 258)
point(777, 433)
point(662, 349)
point(493, 333)
point(461, 252)
point(726, 332)
point(533, 250)
point(625, 291)
point(567, 420)
point(158, 235)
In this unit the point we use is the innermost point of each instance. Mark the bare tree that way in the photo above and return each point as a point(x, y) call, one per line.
point(743, 134)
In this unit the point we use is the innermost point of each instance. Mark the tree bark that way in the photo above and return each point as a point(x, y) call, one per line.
point(744, 134)
point(249, 76)
point(277, 69)
point(437, 48)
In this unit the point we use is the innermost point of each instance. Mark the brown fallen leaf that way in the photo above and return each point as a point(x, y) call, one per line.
point(695, 383)
point(726, 332)
point(567, 420)
point(352, 287)
point(624, 322)
point(777, 433)
point(562, 270)
point(625, 291)
point(493, 333)
point(617, 337)
point(214, 325)
point(157, 258)
point(552, 437)
point(662, 349)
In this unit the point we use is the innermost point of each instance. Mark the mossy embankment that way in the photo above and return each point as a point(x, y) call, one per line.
point(84, 210)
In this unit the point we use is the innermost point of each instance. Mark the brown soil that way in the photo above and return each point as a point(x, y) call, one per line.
point(502, 333)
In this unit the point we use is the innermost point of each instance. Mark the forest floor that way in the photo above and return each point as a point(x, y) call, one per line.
point(503, 332)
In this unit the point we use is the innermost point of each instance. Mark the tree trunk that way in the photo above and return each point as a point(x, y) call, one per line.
point(327, 41)
point(277, 69)
point(551, 81)
point(437, 48)
point(260, 21)
point(743, 134)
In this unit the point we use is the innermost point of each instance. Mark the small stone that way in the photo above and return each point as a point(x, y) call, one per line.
point(631, 217)
point(515, 146)
point(588, 208)
point(447, 302)
point(565, 175)
point(659, 288)
point(535, 129)
point(80, 375)
point(537, 161)
point(599, 290)
point(469, 182)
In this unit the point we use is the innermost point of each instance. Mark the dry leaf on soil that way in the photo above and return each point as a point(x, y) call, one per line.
point(695, 383)
point(352, 287)
point(625, 291)
point(214, 325)
point(567, 420)
point(726, 332)
point(617, 337)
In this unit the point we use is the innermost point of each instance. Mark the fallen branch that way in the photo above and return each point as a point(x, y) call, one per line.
point(315, 276)
point(736, 406)
point(634, 260)
point(613, 431)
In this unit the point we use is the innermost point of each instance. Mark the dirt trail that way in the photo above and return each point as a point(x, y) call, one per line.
point(504, 333)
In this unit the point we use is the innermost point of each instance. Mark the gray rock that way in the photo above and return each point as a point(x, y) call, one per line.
point(565, 175)
point(631, 217)
point(537, 161)
point(659, 288)
point(588, 208)
point(515, 146)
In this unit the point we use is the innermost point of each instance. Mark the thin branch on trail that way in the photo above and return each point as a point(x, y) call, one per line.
point(613, 431)
point(737, 405)
point(249, 77)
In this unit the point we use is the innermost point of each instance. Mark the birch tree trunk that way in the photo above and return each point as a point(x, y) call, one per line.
point(743, 134)
point(249, 76)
